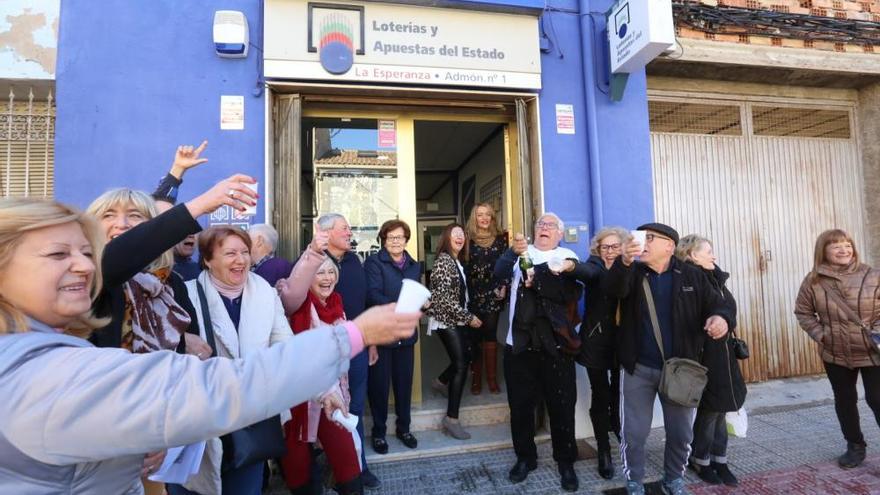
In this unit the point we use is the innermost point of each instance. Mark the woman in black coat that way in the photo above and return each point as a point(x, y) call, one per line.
point(599, 341)
point(726, 389)
point(393, 366)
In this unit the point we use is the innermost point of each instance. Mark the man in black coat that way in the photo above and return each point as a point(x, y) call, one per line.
point(688, 310)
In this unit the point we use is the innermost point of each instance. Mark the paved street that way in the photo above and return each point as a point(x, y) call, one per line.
point(788, 450)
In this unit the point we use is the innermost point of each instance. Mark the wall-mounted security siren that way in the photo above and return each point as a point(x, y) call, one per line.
point(230, 34)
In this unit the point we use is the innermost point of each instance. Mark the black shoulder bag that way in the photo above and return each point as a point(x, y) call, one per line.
point(252, 444)
point(682, 380)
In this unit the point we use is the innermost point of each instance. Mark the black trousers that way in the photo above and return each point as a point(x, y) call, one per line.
point(604, 404)
point(394, 368)
point(533, 376)
point(843, 383)
point(457, 341)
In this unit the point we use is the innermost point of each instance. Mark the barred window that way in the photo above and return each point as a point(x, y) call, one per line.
point(800, 122)
point(694, 118)
point(27, 143)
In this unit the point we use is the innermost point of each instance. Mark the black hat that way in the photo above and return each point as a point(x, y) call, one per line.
point(661, 229)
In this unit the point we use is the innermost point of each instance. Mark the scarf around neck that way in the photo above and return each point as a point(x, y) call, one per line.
point(154, 320)
point(228, 291)
point(328, 312)
point(483, 239)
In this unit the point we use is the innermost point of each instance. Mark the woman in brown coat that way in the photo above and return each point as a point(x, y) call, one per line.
point(846, 349)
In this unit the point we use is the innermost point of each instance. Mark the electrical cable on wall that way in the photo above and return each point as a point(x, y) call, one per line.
point(736, 20)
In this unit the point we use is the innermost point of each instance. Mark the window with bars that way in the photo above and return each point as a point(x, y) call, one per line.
point(800, 122)
point(27, 144)
point(694, 118)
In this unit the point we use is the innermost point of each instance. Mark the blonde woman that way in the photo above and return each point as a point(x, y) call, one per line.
point(77, 419)
point(486, 243)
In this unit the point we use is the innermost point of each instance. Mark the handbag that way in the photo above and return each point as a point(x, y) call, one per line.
point(255, 443)
point(872, 336)
point(740, 348)
point(682, 380)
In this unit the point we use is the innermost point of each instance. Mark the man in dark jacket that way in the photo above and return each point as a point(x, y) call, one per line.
point(688, 310)
point(264, 241)
point(352, 286)
point(540, 348)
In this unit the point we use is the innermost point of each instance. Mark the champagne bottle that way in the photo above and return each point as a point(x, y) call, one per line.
point(525, 263)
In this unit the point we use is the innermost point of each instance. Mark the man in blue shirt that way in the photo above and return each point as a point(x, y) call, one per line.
point(688, 312)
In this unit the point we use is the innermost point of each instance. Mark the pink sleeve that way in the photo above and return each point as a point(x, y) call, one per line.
point(300, 279)
point(355, 338)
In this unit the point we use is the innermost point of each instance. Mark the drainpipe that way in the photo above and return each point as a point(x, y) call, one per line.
point(588, 52)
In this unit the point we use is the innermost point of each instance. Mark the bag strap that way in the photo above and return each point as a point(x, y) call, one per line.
point(838, 299)
point(652, 310)
point(206, 319)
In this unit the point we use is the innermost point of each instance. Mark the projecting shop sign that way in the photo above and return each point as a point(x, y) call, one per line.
point(638, 31)
point(390, 43)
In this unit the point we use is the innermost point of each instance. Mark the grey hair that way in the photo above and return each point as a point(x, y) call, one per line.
point(688, 244)
point(604, 232)
point(328, 220)
point(267, 232)
point(559, 221)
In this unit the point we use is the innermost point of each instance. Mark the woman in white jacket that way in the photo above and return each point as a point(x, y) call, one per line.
point(76, 419)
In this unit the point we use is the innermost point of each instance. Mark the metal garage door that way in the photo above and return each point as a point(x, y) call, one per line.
point(761, 180)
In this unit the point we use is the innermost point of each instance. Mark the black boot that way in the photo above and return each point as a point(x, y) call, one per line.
point(706, 473)
point(605, 466)
point(353, 487)
point(306, 489)
point(855, 454)
point(724, 473)
point(567, 477)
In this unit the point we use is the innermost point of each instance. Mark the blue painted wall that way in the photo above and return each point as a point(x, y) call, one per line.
point(133, 83)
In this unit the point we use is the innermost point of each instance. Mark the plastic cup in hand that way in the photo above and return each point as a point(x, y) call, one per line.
point(556, 265)
point(639, 236)
point(251, 210)
point(349, 423)
point(413, 296)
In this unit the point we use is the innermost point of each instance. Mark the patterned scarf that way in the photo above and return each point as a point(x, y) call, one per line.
point(154, 321)
point(483, 239)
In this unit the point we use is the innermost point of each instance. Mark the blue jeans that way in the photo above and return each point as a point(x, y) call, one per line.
point(244, 481)
point(358, 370)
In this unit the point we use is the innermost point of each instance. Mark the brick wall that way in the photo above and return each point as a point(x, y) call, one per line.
point(863, 10)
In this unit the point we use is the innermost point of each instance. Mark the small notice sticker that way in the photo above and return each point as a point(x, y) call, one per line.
point(231, 113)
point(387, 134)
point(564, 119)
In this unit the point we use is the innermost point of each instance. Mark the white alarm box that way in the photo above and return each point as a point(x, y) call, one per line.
point(230, 34)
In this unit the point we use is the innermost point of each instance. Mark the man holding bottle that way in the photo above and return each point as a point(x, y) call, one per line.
point(537, 359)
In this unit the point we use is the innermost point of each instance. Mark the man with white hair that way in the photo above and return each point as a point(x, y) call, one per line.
point(540, 346)
point(264, 240)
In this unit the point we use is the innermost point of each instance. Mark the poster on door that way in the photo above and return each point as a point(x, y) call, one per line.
point(387, 134)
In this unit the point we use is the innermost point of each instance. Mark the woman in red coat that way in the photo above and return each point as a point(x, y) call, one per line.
point(322, 307)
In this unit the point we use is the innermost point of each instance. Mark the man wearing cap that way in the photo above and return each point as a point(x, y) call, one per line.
point(688, 312)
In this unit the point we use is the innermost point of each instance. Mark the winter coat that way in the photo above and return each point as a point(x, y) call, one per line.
point(448, 293)
point(384, 280)
point(598, 330)
point(726, 388)
point(262, 324)
point(694, 301)
point(85, 430)
point(841, 341)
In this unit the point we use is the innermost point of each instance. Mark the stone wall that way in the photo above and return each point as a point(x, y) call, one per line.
point(869, 123)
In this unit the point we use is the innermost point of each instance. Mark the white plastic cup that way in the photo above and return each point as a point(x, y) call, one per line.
point(639, 236)
point(255, 187)
point(556, 264)
point(413, 296)
point(349, 423)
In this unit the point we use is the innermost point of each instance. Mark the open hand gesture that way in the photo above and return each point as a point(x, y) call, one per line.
point(186, 158)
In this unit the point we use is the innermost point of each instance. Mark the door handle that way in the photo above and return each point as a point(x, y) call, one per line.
point(765, 257)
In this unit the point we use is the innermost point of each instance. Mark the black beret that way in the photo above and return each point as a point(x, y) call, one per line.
point(661, 229)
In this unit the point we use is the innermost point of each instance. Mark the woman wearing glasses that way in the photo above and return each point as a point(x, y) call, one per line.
point(599, 341)
point(392, 365)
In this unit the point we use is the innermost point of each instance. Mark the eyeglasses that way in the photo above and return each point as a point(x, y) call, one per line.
point(547, 225)
point(609, 247)
point(456, 235)
point(396, 238)
point(650, 237)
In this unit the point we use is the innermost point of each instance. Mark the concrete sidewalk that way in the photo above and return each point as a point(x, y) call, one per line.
point(792, 442)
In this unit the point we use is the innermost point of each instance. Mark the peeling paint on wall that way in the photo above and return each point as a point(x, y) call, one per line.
point(28, 38)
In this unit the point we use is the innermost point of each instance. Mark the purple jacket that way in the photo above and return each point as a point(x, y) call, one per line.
point(273, 269)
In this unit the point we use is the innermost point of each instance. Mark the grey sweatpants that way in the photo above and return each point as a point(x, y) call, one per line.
point(637, 393)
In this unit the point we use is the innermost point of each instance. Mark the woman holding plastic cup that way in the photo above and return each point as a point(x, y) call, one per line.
point(386, 271)
point(450, 318)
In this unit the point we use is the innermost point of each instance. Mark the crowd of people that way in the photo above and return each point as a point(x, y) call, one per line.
point(267, 358)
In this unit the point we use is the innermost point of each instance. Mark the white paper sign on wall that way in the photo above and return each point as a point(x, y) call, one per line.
point(638, 31)
point(564, 118)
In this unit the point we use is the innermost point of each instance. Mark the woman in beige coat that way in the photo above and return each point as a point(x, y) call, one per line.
point(846, 347)
point(76, 419)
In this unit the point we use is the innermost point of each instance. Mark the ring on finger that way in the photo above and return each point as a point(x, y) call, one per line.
point(231, 193)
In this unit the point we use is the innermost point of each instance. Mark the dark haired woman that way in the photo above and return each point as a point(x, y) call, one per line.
point(385, 272)
point(486, 243)
point(450, 319)
point(846, 350)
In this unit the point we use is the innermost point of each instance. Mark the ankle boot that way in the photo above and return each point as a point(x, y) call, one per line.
point(353, 487)
point(604, 464)
point(490, 358)
point(853, 457)
point(477, 370)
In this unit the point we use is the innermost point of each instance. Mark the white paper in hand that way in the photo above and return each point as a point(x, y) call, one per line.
point(349, 423)
point(413, 296)
point(180, 463)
